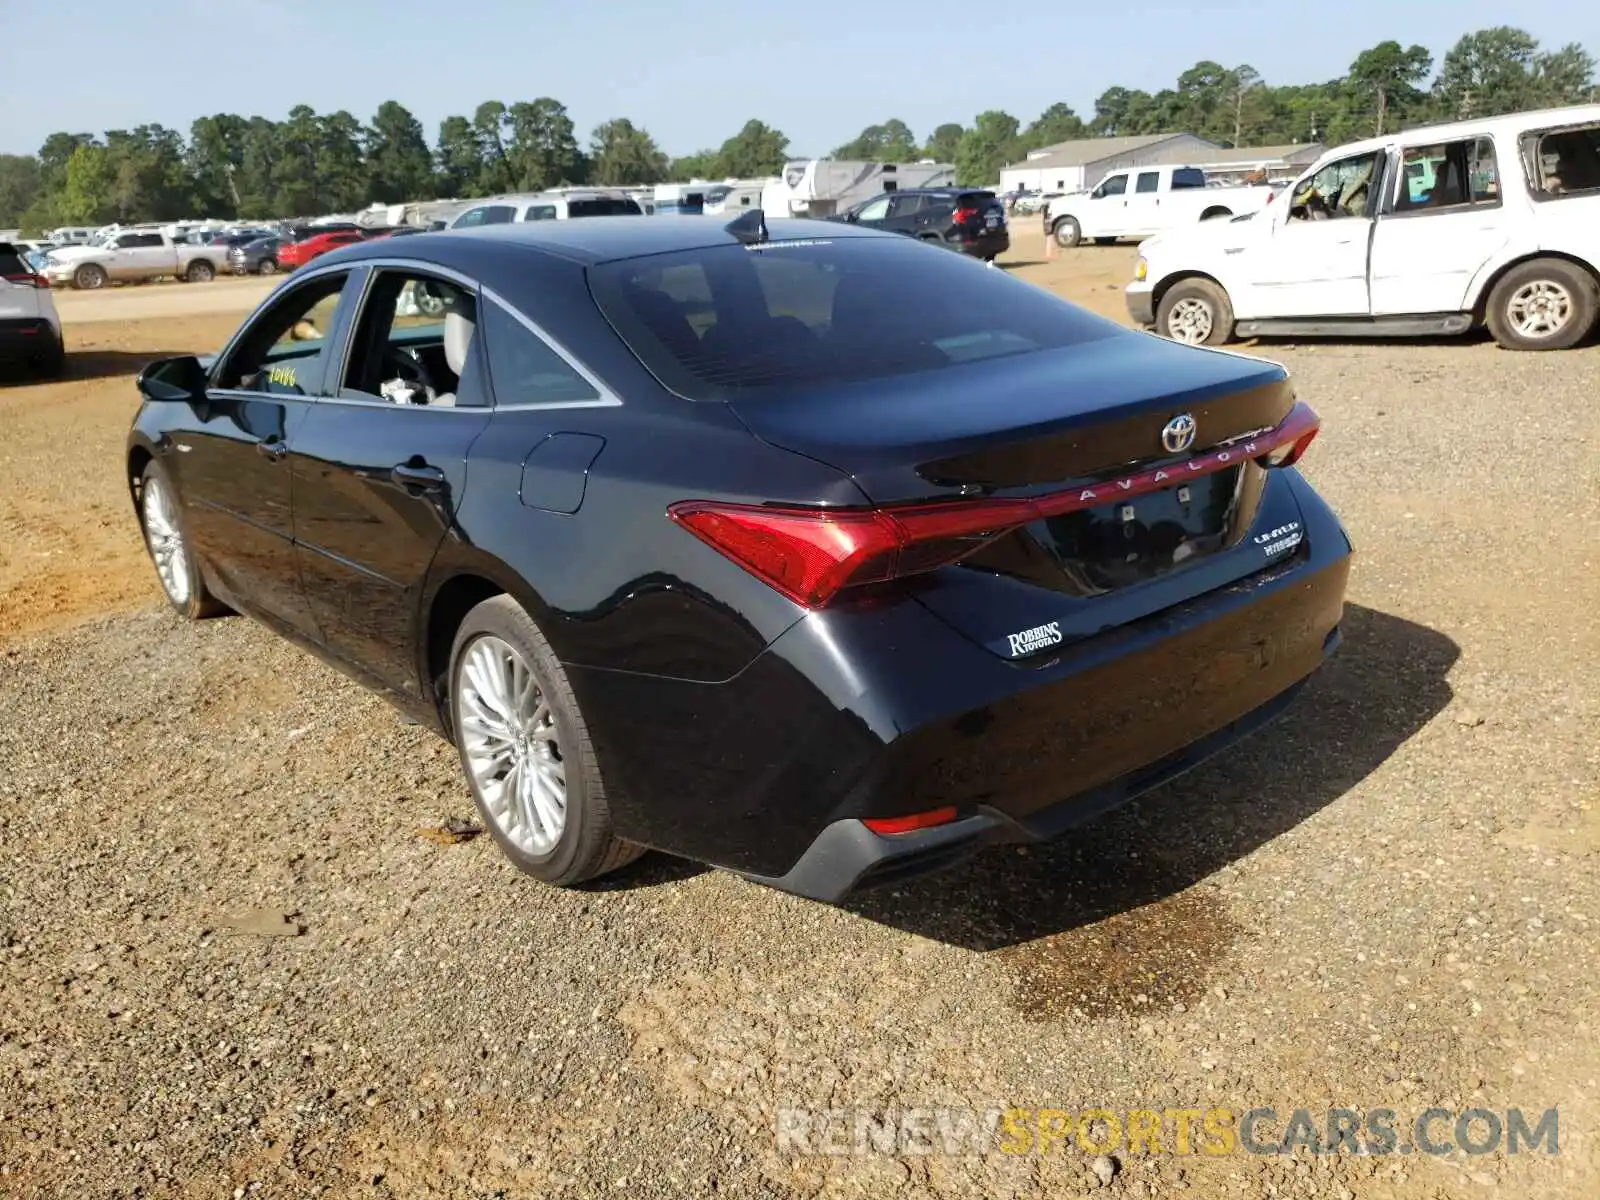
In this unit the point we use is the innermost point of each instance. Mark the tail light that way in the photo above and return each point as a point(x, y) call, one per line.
point(910, 824)
point(810, 555)
point(30, 280)
point(965, 216)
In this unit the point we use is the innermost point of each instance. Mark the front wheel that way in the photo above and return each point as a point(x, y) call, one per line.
point(268, 266)
point(200, 271)
point(1067, 232)
point(89, 277)
point(1196, 312)
point(1547, 304)
point(161, 515)
point(526, 751)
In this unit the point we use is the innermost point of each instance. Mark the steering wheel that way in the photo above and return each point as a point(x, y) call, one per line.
point(403, 364)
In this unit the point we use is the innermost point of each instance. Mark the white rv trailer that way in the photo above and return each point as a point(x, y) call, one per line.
point(735, 196)
point(822, 187)
point(677, 198)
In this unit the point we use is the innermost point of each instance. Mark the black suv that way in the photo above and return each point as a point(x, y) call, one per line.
point(964, 219)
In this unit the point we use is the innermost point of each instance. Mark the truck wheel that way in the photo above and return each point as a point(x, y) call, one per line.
point(1196, 312)
point(89, 277)
point(1212, 214)
point(1068, 233)
point(1546, 304)
point(200, 271)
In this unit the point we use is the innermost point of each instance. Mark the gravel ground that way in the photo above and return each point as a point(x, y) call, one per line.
point(235, 961)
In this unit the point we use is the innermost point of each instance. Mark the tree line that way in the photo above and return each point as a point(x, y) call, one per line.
point(310, 163)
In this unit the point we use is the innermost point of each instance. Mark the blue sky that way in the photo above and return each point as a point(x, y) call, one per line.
point(690, 71)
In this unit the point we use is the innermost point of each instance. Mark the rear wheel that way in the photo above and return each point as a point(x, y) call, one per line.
point(1196, 312)
point(1546, 304)
point(200, 271)
point(1067, 232)
point(89, 277)
point(526, 750)
point(267, 266)
point(161, 514)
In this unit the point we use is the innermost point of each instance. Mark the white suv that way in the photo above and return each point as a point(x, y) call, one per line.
point(552, 206)
point(30, 331)
point(1436, 230)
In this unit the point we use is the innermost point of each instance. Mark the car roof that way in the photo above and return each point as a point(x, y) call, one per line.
point(1427, 135)
point(590, 240)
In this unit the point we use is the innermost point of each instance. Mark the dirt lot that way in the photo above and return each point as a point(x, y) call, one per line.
point(1388, 899)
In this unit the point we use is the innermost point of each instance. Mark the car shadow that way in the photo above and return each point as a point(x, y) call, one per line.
point(1387, 680)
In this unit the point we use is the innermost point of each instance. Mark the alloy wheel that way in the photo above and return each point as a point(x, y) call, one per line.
point(1540, 309)
point(509, 741)
point(165, 539)
point(1190, 321)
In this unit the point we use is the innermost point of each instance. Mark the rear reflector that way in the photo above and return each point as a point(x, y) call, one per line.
point(922, 820)
point(812, 554)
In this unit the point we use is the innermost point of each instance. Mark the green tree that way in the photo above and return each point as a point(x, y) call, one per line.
point(543, 151)
point(754, 151)
point(890, 142)
point(1386, 78)
point(489, 123)
point(944, 142)
point(1565, 76)
point(986, 147)
point(702, 164)
point(20, 186)
point(1488, 73)
point(342, 177)
point(214, 158)
point(1056, 124)
point(86, 185)
point(399, 164)
point(460, 157)
point(621, 153)
point(260, 146)
point(150, 180)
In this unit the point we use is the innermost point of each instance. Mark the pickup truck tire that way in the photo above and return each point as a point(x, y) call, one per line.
point(89, 277)
point(200, 271)
point(1067, 232)
point(1196, 312)
point(1546, 304)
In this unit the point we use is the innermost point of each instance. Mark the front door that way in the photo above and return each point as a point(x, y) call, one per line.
point(874, 212)
point(1144, 205)
point(380, 464)
point(1106, 214)
point(1442, 224)
point(1315, 263)
point(231, 461)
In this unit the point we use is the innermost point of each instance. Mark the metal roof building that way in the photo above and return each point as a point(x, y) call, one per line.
point(1071, 166)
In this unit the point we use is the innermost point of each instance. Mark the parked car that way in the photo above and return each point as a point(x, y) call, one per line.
point(1143, 201)
point(131, 256)
point(817, 557)
point(966, 219)
point(554, 206)
point(293, 255)
point(256, 257)
point(1436, 230)
point(30, 330)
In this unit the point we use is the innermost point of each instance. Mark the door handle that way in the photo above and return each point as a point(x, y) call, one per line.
point(273, 450)
point(418, 477)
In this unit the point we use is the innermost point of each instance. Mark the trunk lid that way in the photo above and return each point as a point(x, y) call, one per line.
point(1075, 419)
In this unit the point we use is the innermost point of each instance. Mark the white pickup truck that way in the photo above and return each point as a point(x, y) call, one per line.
point(131, 255)
point(1437, 230)
point(1143, 201)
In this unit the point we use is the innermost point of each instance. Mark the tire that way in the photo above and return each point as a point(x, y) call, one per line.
point(267, 266)
point(90, 277)
point(1067, 232)
point(1546, 304)
point(1196, 312)
point(581, 846)
point(1105, 241)
point(199, 271)
point(161, 517)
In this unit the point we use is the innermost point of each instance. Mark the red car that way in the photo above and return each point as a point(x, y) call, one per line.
point(298, 254)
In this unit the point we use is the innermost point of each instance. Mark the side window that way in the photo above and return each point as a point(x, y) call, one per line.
point(150, 239)
point(1340, 189)
point(488, 214)
point(282, 351)
point(127, 241)
point(1114, 185)
point(906, 205)
point(524, 368)
point(874, 210)
point(413, 343)
point(540, 212)
point(1188, 177)
point(1449, 175)
point(1563, 163)
point(1148, 181)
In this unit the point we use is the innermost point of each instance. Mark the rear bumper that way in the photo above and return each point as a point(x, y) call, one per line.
point(28, 338)
point(885, 711)
point(986, 245)
point(1140, 298)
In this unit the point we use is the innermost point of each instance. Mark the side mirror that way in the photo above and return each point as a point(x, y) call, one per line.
point(169, 380)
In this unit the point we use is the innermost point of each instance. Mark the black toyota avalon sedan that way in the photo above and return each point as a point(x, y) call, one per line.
point(799, 551)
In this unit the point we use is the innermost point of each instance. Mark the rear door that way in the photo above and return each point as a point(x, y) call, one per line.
point(910, 212)
point(1442, 223)
point(379, 465)
point(231, 459)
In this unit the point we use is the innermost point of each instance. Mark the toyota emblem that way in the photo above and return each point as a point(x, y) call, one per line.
point(1177, 435)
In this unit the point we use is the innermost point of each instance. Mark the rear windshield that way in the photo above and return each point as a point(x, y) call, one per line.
point(605, 206)
point(727, 321)
point(11, 262)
